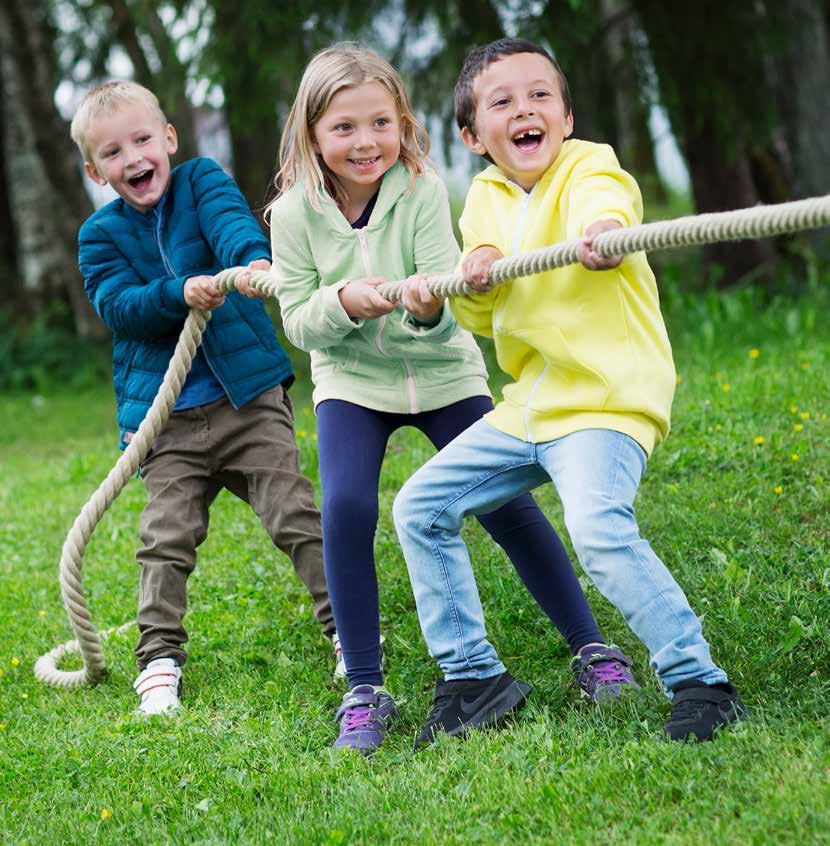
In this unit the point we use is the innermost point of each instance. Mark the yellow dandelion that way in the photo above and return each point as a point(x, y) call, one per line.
point(778, 489)
point(798, 426)
point(794, 456)
point(726, 387)
point(106, 814)
point(24, 695)
point(2, 726)
point(2, 672)
point(805, 365)
point(793, 409)
point(301, 433)
point(805, 415)
point(759, 440)
point(678, 379)
point(41, 613)
point(15, 662)
point(718, 427)
point(754, 353)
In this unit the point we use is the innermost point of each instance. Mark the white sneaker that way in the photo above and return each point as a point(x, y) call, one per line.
point(159, 687)
point(340, 665)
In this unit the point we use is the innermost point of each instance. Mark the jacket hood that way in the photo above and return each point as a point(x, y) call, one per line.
point(394, 185)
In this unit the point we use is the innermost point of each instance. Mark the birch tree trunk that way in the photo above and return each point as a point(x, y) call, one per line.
point(45, 189)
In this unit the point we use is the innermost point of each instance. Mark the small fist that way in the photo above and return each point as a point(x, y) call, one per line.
point(243, 284)
point(418, 300)
point(476, 267)
point(591, 259)
point(360, 299)
point(201, 292)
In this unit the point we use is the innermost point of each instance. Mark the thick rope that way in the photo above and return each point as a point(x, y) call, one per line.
point(759, 222)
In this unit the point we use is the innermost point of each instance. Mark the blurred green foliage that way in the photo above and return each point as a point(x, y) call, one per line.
point(46, 353)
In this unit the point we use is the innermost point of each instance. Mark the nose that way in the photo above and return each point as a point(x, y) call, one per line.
point(524, 107)
point(364, 138)
point(135, 155)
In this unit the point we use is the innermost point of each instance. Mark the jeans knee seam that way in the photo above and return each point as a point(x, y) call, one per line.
point(643, 568)
point(428, 529)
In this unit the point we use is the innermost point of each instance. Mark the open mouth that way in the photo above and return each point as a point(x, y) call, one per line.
point(528, 140)
point(141, 180)
point(365, 164)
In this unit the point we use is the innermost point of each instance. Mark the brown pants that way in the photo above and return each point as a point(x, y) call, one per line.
point(252, 452)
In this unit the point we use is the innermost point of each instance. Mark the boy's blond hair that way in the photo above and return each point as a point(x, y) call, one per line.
point(105, 99)
point(345, 65)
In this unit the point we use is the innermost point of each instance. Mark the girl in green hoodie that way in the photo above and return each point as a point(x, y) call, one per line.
point(357, 205)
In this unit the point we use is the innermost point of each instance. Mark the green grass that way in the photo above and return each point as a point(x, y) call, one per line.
point(248, 761)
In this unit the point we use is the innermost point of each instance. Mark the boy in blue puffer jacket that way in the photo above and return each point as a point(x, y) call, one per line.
point(147, 258)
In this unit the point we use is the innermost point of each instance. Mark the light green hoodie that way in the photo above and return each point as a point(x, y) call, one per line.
point(391, 363)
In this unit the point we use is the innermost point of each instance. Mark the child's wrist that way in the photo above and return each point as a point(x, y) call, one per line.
point(428, 320)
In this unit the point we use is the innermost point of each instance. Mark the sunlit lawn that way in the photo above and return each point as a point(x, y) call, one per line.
point(736, 503)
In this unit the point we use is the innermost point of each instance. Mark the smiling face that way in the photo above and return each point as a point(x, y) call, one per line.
point(359, 138)
point(130, 149)
point(520, 118)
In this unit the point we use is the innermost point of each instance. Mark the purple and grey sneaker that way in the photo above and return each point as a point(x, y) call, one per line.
point(365, 716)
point(601, 672)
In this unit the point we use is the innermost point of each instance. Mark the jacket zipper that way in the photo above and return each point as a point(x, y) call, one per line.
point(410, 378)
point(517, 245)
point(517, 240)
point(168, 267)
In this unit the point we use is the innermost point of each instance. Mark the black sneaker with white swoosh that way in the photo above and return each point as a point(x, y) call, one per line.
point(472, 703)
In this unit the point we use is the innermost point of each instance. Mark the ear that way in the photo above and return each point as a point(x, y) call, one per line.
point(471, 141)
point(569, 124)
point(171, 138)
point(92, 173)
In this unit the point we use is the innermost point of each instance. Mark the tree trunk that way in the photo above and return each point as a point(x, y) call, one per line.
point(802, 73)
point(45, 188)
point(709, 63)
point(254, 145)
point(8, 245)
point(170, 84)
point(722, 183)
point(635, 146)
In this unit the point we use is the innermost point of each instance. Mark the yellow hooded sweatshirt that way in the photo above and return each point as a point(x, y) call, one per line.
point(586, 349)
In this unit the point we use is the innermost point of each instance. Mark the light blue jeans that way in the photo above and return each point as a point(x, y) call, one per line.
point(596, 473)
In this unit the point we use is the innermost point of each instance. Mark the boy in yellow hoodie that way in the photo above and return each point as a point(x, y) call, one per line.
point(591, 397)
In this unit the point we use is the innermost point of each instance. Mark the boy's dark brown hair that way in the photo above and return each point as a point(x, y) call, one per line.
point(481, 58)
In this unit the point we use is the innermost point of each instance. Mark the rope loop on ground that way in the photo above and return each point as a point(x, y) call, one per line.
point(758, 222)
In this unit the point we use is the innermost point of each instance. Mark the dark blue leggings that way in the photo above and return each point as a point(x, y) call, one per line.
point(352, 442)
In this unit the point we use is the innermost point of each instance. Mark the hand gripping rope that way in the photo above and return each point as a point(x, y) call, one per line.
point(759, 222)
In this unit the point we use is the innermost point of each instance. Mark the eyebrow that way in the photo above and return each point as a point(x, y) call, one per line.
point(504, 87)
point(106, 144)
point(347, 118)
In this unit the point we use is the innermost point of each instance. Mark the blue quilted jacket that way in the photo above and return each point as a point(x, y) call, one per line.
point(135, 265)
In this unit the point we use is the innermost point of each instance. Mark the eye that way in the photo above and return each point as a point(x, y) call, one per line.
point(502, 101)
point(384, 121)
point(342, 127)
point(143, 139)
point(539, 95)
point(108, 154)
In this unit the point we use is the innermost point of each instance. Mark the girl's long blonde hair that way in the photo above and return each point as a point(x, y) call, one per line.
point(330, 71)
